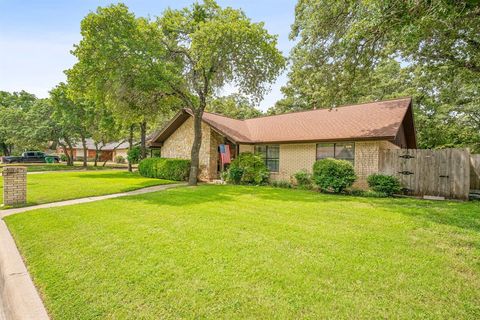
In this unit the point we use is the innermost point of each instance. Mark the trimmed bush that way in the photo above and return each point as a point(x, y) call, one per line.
point(165, 168)
point(333, 175)
point(119, 159)
point(248, 168)
point(304, 179)
point(384, 183)
point(63, 158)
point(133, 155)
point(281, 184)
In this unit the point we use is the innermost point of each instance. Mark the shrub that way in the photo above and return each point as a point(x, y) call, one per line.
point(133, 155)
point(281, 184)
point(119, 159)
point(304, 179)
point(164, 168)
point(384, 183)
point(249, 169)
point(333, 175)
point(63, 158)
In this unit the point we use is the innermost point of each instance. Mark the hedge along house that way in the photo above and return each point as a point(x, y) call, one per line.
point(294, 141)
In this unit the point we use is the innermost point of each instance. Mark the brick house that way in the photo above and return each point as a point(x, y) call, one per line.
point(294, 141)
point(108, 151)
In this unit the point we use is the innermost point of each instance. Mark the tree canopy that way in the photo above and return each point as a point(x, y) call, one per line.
point(352, 51)
point(217, 46)
point(234, 106)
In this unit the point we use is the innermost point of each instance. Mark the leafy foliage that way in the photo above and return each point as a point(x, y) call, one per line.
point(349, 52)
point(281, 184)
point(333, 175)
point(120, 159)
point(234, 106)
point(248, 168)
point(165, 168)
point(133, 155)
point(303, 179)
point(216, 47)
point(384, 183)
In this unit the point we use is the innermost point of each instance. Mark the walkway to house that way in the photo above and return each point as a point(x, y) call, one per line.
point(8, 212)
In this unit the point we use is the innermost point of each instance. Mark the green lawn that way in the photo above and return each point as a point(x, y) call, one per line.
point(57, 186)
point(36, 167)
point(254, 252)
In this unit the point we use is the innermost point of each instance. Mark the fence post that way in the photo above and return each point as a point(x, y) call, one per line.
point(14, 185)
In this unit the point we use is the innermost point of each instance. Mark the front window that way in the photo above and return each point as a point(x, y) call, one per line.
point(270, 154)
point(341, 150)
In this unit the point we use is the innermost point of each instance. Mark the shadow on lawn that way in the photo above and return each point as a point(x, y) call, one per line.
point(111, 175)
point(464, 215)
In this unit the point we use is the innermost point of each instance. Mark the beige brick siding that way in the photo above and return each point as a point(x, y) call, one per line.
point(295, 157)
point(246, 148)
point(179, 145)
point(14, 185)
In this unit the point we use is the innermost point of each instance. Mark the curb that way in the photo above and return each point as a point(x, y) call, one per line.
point(18, 294)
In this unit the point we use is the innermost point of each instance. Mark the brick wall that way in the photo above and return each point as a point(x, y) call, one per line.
point(179, 145)
point(14, 185)
point(295, 157)
point(246, 148)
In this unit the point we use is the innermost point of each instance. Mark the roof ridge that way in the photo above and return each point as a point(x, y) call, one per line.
point(320, 109)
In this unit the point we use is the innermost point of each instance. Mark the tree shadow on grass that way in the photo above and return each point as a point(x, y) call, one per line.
point(109, 175)
point(464, 215)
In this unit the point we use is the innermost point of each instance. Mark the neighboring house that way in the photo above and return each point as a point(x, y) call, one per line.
point(294, 141)
point(108, 152)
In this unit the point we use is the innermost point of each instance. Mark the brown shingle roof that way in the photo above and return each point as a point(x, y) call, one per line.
point(365, 121)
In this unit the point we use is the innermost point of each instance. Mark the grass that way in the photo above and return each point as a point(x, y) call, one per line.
point(58, 186)
point(37, 167)
point(254, 252)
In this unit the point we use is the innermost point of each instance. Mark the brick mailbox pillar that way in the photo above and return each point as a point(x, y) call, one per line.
point(14, 185)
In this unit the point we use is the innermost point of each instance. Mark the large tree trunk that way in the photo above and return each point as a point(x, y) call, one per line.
point(130, 146)
point(5, 150)
point(97, 152)
point(197, 143)
point(69, 151)
point(143, 134)
point(85, 151)
point(65, 152)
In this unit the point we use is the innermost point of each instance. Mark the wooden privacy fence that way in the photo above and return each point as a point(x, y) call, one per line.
point(443, 173)
point(475, 172)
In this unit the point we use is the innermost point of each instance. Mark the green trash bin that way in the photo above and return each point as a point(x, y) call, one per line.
point(49, 160)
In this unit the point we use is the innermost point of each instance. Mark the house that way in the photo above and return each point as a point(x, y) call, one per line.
point(294, 141)
point(108, 151)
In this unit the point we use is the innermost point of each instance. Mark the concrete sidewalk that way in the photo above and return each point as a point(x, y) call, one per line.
point(8, 212)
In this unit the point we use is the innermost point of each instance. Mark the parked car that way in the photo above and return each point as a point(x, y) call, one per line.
point(31, 157)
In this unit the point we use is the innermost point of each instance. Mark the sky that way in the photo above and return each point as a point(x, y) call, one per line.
point(36, 37)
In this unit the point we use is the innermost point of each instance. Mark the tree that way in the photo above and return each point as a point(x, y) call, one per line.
point(121, 67)
point(344, 45)
point(217, 46)
point(13, 127)
point(234, 106)
point(70, 118)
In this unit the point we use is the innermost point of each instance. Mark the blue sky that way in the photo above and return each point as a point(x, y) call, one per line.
point(36, 36)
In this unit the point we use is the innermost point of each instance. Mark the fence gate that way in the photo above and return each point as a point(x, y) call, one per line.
point(444, 173)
